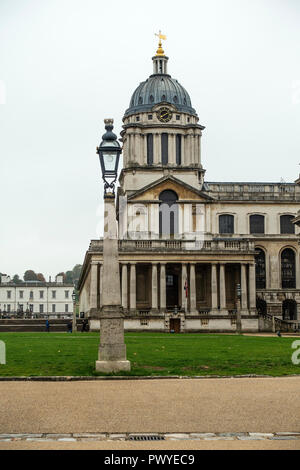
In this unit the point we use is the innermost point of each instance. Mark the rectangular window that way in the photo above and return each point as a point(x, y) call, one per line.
point(137, 118)
point(53, 308)
point(149, 149)
point(257, 224)
point(178, 149)
point(66, 294)
point(41, 308)
point(21, 294)
point(21, 307)
point(164, 148)
point(31, 308)
point(8, 308)
point(226, 224)
point(31, 294)
point(66, 308)
point(9, 294)
point(150, 117)
point(177, 117)
point(41, 294)
point(54, 294)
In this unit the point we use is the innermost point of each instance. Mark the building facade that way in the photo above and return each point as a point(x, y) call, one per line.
point(35, 299)
point(186, 244)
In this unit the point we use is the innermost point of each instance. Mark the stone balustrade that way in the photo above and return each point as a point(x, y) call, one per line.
point(217, 245)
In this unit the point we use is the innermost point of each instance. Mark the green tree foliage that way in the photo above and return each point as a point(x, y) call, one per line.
point(30, 275)
point(16, 279)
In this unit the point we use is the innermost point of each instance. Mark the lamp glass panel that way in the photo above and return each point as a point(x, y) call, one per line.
point(109, 160)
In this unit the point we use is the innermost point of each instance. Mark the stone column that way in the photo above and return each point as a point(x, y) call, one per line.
point(156, 149)
point(222, 288)
point(252, 288)
point(183, 149)
point(172, 150)
point(145, 147)
point(132, 286)
point(193, 307)
point(214, 289)
point(163, 298)
point(101, 285)
point(154, 287)
point(244, 294)
point(93, 289)
point(184, 299)
point(112, 349)
point(124, 287)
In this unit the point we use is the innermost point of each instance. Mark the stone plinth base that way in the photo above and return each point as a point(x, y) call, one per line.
point(112, 366)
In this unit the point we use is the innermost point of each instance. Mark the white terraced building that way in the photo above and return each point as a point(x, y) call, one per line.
point(35, 299)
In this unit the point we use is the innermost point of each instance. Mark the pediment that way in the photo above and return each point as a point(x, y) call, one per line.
point(184, 191)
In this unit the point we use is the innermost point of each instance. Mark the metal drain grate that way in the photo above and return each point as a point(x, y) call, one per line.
point(147, 438)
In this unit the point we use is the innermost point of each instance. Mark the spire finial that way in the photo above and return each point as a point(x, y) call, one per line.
point(160, 51)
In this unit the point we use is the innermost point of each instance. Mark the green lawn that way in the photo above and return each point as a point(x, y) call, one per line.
point(36, 354)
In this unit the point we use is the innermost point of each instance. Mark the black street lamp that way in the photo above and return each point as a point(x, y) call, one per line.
point(109, 154)
point(112, 349)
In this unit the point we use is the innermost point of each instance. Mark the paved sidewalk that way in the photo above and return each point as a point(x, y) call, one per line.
point(266, 405)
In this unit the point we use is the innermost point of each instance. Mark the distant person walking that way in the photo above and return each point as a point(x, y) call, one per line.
point(84, 325)
point(69, 325)
point(47, 326)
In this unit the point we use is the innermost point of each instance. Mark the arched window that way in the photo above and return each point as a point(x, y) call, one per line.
point(286, 224)
point(168, 213)
point(164, 148)
point(257, 224)
point(260, 268)
point(288, 269)
point(140, 100)
point(150, 149)
point(151, 98)
point(226, 223)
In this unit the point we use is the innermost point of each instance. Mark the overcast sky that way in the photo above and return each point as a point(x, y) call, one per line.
point(65, 65)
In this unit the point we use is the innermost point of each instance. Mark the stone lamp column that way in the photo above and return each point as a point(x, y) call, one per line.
point(112, 349)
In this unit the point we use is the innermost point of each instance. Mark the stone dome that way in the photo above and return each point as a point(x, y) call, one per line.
point(160, 88)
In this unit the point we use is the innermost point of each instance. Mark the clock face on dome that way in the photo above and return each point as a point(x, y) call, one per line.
point(164, 114)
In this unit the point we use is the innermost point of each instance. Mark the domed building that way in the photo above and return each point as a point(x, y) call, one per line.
point(194, 255)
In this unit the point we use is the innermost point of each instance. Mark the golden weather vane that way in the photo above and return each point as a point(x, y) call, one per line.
point(161, 36)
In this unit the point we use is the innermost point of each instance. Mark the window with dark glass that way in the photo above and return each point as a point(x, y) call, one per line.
point(178, 149)
point(168, 213)
point(164, 149)
point(150, 149)
point(286, 224)
point(226, 223)
point(260, 268)
point(288, 269)
point(257, 224)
